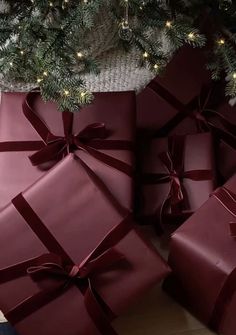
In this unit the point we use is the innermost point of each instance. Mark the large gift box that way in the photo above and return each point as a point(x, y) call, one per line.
point(71, 259)
point(203, 260)
point(29, 127)
point(170, 97)
point(177, 176)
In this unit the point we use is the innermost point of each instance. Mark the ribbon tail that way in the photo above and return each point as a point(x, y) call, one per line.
point(19, 269)
point(108, 160)
point(96, 312)
point(51, 152)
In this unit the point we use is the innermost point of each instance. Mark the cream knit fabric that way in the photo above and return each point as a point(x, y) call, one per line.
point(119, 70)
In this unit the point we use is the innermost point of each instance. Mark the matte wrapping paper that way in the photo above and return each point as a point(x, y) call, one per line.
point(115, 111)
point(203, 260)
point(177, 175)
point(226, 149)
point(173, 92)
point(62, 201)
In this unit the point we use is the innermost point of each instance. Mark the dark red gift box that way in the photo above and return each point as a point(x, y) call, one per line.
point(185, 101)
point(178, 174)
point(69, 217)
point(175, 91)
point(203, 260)
point(226, 152)
point(105, 129)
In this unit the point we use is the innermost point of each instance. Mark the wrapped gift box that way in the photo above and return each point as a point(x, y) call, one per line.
point(226, 149)
point(177, 174)
point(174, 92)
point(70, 212)
point(114, 111)
point(203, 260)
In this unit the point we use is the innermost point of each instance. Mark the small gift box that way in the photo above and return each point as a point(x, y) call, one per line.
point(169, 98)
point(71, 259)
point(29, 127)
point(203, 260)
point(177, 176)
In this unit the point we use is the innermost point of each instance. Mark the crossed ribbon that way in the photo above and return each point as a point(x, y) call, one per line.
point(58, 265)
point(173, 161)
point(202, 109)
point(91, 139)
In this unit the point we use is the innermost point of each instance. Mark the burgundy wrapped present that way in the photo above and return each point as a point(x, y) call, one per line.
point(174, 94)
point(177, 175)
point(104, 129)
point(203, 260)
point(187, 102)
point(226, 151)
point(70, 255)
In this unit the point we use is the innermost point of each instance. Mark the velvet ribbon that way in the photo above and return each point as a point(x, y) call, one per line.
point(173, 162)
point(52, 147)
point(57, 264)
point(228, 200)
point(201, 109)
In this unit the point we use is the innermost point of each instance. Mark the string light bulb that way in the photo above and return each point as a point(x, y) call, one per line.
point(234, 75)
point(221, 41)
point(11, 64)
point(168, 24)
point(66, 92)
point(79, 54)
point(39, 80)
point(45, 73)
point(82, 94)
point(50, 4)
point(191, 36)
point(22, 52)
point(145, 55)
point(156, 66)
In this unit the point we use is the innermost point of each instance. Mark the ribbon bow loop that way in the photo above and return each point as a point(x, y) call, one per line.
point(51, 265)
point(176, 193)
point(59, 146)
point(93, 131)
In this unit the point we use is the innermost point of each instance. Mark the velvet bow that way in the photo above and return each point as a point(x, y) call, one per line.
point(59, 146)
point(92, 139)
point(53, 266)
point(172, 160)
point(55, 272)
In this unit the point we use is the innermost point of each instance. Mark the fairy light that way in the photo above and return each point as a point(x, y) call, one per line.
point(50, 4)
point(221, 41)
point(156, 66)
point(79, 54)
point(234, 75)
point(39, 80)
point(145, 55)
point(11, 64)
point(168, 24)
point(82, 94)
point(45, 73)
point(66, 92)
point(191, 36)
point(22, 52)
